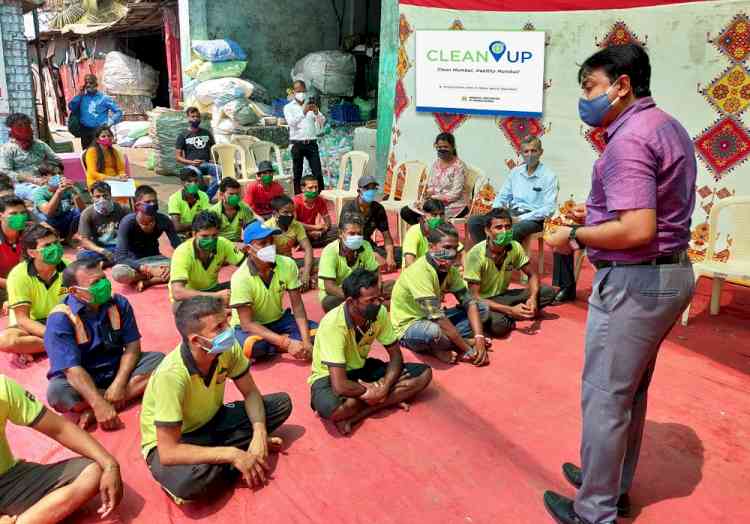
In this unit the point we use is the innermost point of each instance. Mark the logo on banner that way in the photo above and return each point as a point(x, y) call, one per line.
point(497, 50)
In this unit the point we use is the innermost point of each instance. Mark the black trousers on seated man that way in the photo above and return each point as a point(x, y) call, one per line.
point(27, 483)
point(563, 269)
point(499, 325)
point(324, 400)
point(229, 427)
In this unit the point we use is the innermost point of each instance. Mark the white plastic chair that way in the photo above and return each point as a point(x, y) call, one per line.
point(230, 158)
point(339, 196)
point(527, 242)
point(245, 141)
point(737, 267)
point(474, 176)
point(409, 194)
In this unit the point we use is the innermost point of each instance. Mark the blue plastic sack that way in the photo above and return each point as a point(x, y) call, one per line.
point(218, 50)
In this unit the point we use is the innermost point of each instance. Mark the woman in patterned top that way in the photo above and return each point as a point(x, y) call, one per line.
point(446, 182)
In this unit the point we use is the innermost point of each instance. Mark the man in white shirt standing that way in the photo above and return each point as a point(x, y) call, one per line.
point(305, 123)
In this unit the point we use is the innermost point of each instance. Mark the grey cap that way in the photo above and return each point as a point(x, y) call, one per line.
point(366, 181)
point(265, 166)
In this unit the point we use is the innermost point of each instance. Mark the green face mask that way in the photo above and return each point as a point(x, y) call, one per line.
point(192, 188)
point(208, 243)
point(434, 222)
point(101, 292)
point(266, 179)
point(233, 200)
point(504, 238)
point(18, 221)
point(52, 254)
point(311, 194)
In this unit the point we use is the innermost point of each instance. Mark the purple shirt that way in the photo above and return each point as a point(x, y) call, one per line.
point(649, 163)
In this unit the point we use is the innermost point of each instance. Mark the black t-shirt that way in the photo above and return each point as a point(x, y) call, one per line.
point(377, 218)
point(196, 145)
point(133, 243)
point(101, 229)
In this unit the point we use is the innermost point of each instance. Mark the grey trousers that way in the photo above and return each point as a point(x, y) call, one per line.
point(631, 311)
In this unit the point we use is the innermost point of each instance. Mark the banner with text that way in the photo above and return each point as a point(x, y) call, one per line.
point(480, 72)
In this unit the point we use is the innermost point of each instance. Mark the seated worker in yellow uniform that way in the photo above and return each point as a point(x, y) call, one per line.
point(261, 325)
point(186, 203)
point(34, 288)
point(196, 262)
point(232, 211)
point(195, 445)
point(341, 257)
point(489, 266)
point(96, 366)
point(416, 305)
point(415, 242)
point(49, 493)
point(293, 235)
point(347, 386)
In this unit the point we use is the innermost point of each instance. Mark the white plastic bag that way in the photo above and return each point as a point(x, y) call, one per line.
point(330, 72)
point(144, 141)
point(225, 126)
point(222, 90)
point(126, 142)
point(123, 129)
point(124, 75)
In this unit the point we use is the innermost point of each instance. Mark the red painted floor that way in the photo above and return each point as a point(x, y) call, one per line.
point(480, 445)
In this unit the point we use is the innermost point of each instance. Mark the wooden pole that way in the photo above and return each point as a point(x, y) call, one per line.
point(40, 67)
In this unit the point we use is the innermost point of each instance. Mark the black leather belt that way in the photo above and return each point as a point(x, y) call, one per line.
point(675, 258)
point(314, 141)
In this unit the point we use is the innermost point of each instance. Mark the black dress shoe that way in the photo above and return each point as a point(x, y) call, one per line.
point(572, 474)
point(561, 509)
point(565, 295)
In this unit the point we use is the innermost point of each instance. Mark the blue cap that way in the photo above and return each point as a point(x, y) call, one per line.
point(256, 231)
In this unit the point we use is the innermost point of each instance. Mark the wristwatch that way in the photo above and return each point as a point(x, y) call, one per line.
point(575, 245)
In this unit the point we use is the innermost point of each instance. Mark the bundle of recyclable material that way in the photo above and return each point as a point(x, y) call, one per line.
point(220, 91)
point(221, 50)
point(133, 106)
point(240, 112)
point(235, 104)
point(125, 75)
point(144, 141)
point(166, 125)
point(130, 130)
point(202, 70)
point(330, 72)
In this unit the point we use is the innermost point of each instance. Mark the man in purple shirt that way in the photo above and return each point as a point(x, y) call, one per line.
point(636, 234)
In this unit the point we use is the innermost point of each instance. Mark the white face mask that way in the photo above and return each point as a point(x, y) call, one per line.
point(300, 97)
point(267, 254)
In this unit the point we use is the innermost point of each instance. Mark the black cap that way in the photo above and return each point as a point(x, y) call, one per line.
point(366, 181)
point(265, 166)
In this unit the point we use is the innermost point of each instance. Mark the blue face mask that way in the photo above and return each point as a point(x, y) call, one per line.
point(368, 195)
point(222, 342)
point(54, 181)
point(593, 111)
point(354, 242)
